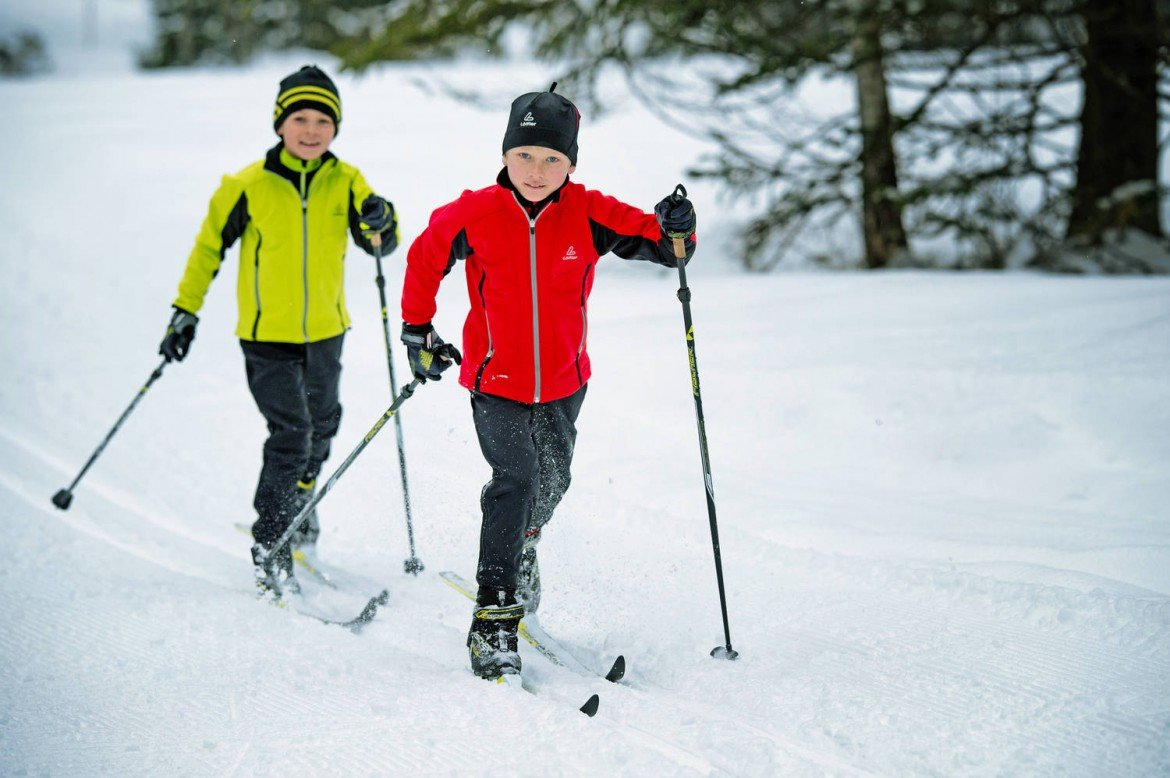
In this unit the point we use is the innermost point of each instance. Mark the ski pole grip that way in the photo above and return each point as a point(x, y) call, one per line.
point(376, 240)
point(680, 250)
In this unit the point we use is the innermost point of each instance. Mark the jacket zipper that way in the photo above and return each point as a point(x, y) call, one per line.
point(305, 253)
point(535, 294)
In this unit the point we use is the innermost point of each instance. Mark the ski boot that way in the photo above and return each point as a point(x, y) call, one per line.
point(274, 575)
point(491, 641)
point(528, 582)
point(306, 534)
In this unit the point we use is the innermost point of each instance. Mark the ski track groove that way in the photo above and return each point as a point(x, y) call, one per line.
point(110, 494)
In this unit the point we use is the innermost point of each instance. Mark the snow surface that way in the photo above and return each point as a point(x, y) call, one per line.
point(942, 497)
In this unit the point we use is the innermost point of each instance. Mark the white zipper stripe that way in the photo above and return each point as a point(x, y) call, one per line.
point(535, 293)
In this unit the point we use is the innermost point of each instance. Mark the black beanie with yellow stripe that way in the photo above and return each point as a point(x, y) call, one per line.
point(309, 87)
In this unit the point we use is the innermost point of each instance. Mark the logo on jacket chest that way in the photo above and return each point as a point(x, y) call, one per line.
point(570, 254)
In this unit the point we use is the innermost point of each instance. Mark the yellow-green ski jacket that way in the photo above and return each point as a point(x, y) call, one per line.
point(293, 218)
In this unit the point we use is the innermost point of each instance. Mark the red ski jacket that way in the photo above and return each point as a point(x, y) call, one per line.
point(528, 281)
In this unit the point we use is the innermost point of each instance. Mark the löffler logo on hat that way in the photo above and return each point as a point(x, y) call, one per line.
point(543, 119)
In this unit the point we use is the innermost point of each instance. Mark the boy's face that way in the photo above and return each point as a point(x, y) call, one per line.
point(536, 171)
point(307, 133)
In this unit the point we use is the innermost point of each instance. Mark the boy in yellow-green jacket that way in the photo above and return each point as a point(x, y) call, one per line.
point(291, 212)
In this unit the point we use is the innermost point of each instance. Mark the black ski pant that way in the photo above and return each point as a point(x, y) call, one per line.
point(530, 449)
point(295, 386)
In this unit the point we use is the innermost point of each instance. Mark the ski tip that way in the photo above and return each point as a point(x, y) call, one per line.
point(590, 706)
point(618, 671)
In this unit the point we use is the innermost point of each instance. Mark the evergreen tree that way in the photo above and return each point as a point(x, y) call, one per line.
point(978, 150)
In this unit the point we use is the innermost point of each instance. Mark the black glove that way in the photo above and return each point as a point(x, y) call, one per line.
point(428, 355)
point(377, 216)
point(676, 215)
point(180, 332)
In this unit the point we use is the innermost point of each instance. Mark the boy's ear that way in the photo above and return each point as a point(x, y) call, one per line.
point(572, 169)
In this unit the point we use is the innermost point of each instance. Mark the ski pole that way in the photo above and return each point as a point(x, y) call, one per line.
point(264, 554)
point(413, 565)
point(684, 296)
point(64, 497)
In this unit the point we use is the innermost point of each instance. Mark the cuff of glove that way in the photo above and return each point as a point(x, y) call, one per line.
point(182, 316)
point(416, 334)
point(417, 329)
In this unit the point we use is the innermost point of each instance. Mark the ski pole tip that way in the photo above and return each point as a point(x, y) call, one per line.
point(62, 499)
point(725, 652)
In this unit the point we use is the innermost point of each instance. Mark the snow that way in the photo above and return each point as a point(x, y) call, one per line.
point(941, 497)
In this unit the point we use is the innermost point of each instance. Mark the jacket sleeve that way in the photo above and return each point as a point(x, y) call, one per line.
point(430, 258)
point(227, 216)
point(629, 232)
point(359, 190)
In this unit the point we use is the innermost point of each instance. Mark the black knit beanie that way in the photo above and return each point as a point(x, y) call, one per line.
point(309, 87)
point(543, 119)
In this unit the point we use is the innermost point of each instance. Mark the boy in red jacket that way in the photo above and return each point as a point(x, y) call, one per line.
point(529, 244)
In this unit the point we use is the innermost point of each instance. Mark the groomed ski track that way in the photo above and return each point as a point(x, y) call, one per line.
point(125, 610)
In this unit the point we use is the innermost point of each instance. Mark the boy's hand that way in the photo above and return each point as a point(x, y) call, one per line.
point(377, 216)
point(180, 332)
point(676, 216)
point(428, 355)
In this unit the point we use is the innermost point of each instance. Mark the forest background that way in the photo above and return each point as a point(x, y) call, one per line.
point(965, 134)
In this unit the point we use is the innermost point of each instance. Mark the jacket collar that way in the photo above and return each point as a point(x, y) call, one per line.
point(531, 208)
point(282, 163)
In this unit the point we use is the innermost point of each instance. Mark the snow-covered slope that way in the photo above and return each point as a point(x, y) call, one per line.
point(942, 498)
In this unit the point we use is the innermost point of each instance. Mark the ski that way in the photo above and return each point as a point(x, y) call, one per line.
point(357, 622)
point(532, 632)
point(535, 635)
point(300, 559)
point(513, 679)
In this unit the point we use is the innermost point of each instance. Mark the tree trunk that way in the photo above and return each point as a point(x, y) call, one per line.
point(1117, 163)
point(885, 238)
